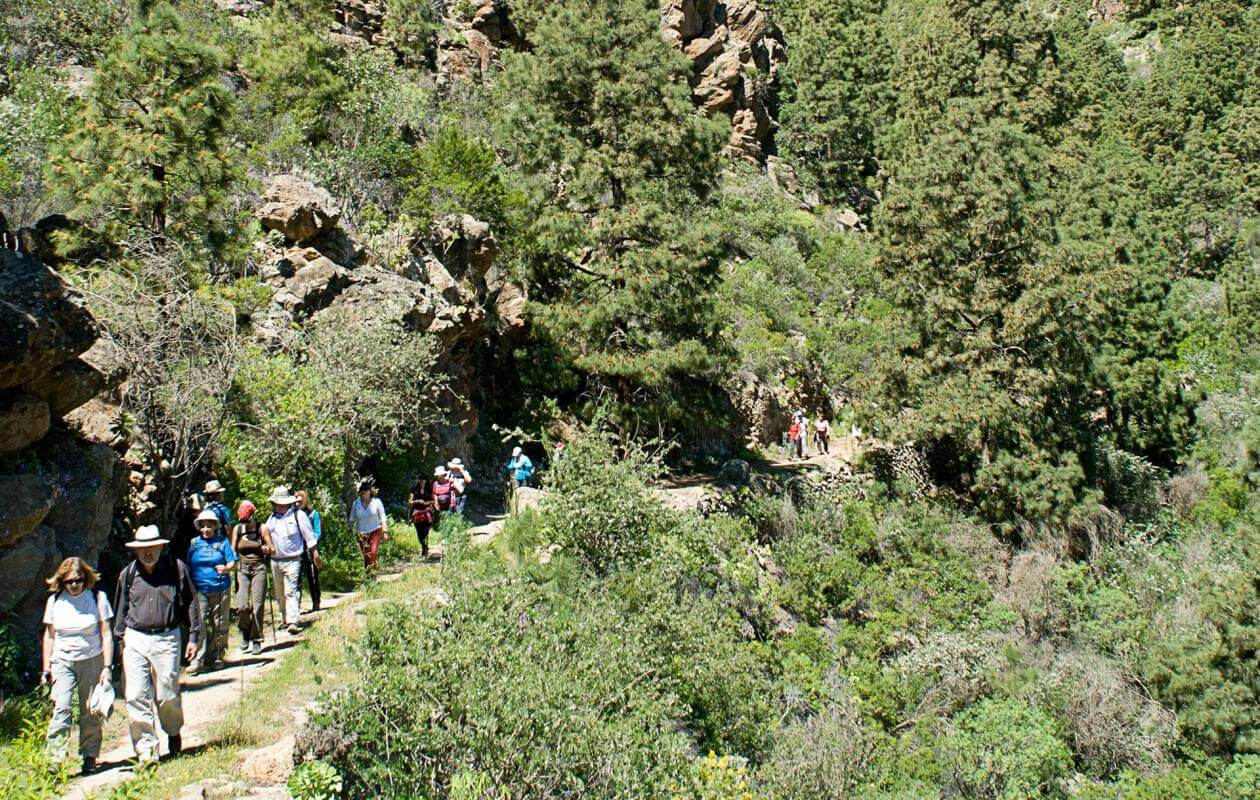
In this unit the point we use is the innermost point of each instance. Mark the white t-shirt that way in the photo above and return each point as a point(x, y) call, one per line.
point(366, 520)
point(76, 621)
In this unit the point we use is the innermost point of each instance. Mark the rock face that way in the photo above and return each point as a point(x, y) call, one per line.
point(58, 490)
point(736, 52)
point(297, 209)
point(446, 283)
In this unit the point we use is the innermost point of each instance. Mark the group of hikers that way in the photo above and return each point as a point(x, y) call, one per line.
point(800, 429)
point(174, 600)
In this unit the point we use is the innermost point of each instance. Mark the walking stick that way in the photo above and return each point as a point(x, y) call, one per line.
point(271, 599)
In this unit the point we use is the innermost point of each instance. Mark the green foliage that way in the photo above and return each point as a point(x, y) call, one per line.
point(293, 69)
point(1004, 750)
point(26, 773)
point(315, 780)
point(715, 778)
point(599, 506)
point(457, 174)
point(598, 113)
point(834, 93)
point(34, 115)
point(411, 26)
point(149, 157)
point(1211, 677)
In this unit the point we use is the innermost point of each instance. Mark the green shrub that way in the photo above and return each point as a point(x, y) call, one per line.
point(1004, 750)
point(599, 508)
point(315, 780)
point(26, 773)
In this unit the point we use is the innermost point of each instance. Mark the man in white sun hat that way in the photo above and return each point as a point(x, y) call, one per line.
point(155, 596)
point(461, 479)
point(291, 534)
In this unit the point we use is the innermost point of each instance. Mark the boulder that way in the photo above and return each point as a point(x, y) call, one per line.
point(97, 420)
point(24, 418)
point(27, 500)
point(268, 766)
point(297, 208)
point(317, 282)
point(90, 481)
point(67, 386)
point(40, 324)
point(25, 565)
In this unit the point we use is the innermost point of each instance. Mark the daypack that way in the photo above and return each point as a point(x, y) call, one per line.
point(442, 494)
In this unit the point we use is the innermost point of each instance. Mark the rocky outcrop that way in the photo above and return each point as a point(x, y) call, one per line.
point(446, 283)
point(736, 52)
point(58, 490)
point(298, 209)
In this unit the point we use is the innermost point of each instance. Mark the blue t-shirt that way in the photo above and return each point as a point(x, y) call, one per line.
point(222, 512)
point(315, 524)
point(206, 554)
point(521, 467)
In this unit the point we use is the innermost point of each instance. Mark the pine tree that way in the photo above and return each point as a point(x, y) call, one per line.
point(292, 68)
point(149, 158)
point(1003, 321)
point(621, 274)
point(834, 92)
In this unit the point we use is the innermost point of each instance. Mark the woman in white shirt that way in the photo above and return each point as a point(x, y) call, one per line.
point(367, 517)
point(78, 654)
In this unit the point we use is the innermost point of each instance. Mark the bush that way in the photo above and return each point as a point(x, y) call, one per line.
point(26, 773)
point(1004, 750)
point(599, 507)
point(315, 780)
point(820, 757)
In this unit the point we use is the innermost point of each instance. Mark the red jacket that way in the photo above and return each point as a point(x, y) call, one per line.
point(794, 430)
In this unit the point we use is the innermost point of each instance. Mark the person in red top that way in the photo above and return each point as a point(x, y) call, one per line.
point(797, 438)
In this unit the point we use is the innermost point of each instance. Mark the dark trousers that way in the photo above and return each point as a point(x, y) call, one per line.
point(422, 533)
point(311, 573)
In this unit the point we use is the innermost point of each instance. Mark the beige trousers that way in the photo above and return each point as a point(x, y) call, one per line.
point(151, 669)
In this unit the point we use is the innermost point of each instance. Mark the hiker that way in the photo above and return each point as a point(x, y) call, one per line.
point(252, 544)
point(211, 560)
point(421, 506)
point(796, 439)
point(291, 533)
point(803, 447)
point(78, 654)
point(557, 453)
point(822, 435)
point(443, 492)
point(155, 596)
point(520, 468)
point(309, 571)
point(368, 520)
point(461, 479)
point(214, 502)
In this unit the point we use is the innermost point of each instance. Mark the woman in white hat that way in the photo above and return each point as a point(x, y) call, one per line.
point(211, 560)
point(78, 654)
point(443, 493)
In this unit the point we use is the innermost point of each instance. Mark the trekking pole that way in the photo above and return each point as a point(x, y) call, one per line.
point(270, 588)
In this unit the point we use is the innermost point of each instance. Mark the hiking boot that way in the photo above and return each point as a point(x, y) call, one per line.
point(174, 744)
point(244, 648)
point(255, 647)
point(89, 765)
point(294, 630)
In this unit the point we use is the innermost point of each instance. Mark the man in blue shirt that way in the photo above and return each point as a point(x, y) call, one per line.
point(520, 467)
point(210, 560)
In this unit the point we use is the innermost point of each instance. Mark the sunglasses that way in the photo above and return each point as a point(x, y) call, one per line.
point(72, 581)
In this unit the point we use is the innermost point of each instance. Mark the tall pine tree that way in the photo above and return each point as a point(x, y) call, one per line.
point(149, 158)
point(620, 272)
point(1003, 321)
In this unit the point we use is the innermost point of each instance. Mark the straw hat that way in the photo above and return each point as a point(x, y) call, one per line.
point(440, 472)
point(148, 536)
point(213, 487)
point(454, 462)
point(281, 496)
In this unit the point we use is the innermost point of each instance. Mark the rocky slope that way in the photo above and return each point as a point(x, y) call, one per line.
point(58, 487)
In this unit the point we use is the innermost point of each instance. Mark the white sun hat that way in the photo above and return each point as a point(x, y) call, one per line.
point(208, 516)
point(213, 487)
point(148, 536)
point(281, 496)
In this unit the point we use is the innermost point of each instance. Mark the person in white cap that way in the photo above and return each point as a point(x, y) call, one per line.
point(291, 533)
point(211, 560)
point(155, 596)
point(214, 502)
point(461, 479)
point(443, 492)
point(520, 468)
